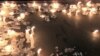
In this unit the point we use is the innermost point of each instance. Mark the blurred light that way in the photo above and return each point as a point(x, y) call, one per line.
point(2, 13)
point(11, 34)
point(45, 4)
point(35, 5)
point(95, 34)
point(52, 10)
point(89, 4)
point(55, 5)
point(3, 42)
point(11, 13)
point(12, 5)
point(64, 11)
point(39, 51)
point(22, 15)
point(42, 16)
point(8, 49)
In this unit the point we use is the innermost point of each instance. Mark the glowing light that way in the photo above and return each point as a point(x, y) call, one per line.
point(93, 11)
point(64, 11)
point(11, 13)
point(45, 4)
point(42, 16)
point(32, 29)
point(13, 5)
point(69, 14)
point(2, 13)
point(39, 51)
point(8, 49)
point(84, 9)
point(11, 33)
point(35, 5)
point(3, 42)
point(77, 12)
point(22, 15)
point(53, 10)
point(95, 34)
point(55, 5)
point(32, 40)
point(89, 4)
point(27, 34)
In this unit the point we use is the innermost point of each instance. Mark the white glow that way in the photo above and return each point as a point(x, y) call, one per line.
point(8, 49)
point(22, 15)
point(45, 4)
point(95, 34)
point(3, 42)
point(39, 51)
point(11, 13)
point(52, 10)
point(13, 5)
point(42, 16)
point(35, 5)
point(55, 5)
point(2, 13)
point(11, 34)
point(93, 11)
point(64, 11)
point(89, 4)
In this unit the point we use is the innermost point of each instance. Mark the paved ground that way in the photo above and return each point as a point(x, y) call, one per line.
point(67, 32)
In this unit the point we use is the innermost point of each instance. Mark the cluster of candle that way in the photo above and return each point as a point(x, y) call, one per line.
point(88, 8)
point(10, 43)
point(29, 36)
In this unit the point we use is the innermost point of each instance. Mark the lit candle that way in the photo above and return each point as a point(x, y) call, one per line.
point(32, 29)
point(42, 16)
point(11, 33)
point(8, 49)
point(39, 51)
point(55, 5)
point(89, 4)
point(35, 5)
point(27, 35)
point(95, 33)
point(22, 15)
point(64, 11)
point(53, 11)
point(3, 42)
point(93, 11)
point(79, 4)
point(13, 5)
point(31, 41)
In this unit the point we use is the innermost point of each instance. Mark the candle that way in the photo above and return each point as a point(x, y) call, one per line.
point(39, 51)
point(32, 41)
point(89, 4)
point(22, 15)
point(53, 11)
point(27, 35)
point(55, 5)
point(32, 29)
point(64, 11)
point(12, 33)
point(95, 33)
point(8, 49)
point(42, 16)
point(3, 42)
